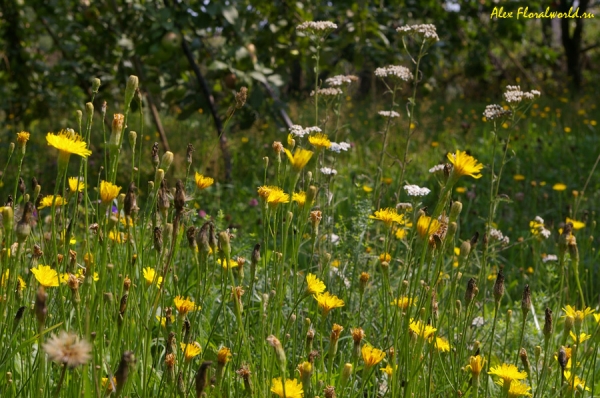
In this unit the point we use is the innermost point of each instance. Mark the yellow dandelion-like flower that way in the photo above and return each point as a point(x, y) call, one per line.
point(75, 184)
point(151, 276)
point(574, 382)
point(581, 338)
point(314, 285)
point(385, 257)
point(299, 197)
point(68, 143)
point(232, 263)
point(45, 275)
point(421, 329)
point(191, 350)
point(277, 196)
point(108, 191)
point(265, 190)
point(184, 305)
point(578, 315)
point(319, 140)
point(465, 165)
point(597, 318)
point(442, 345)
point(300, 158)
point(163, 320)
point(518, 177)
point(328, 301)
point(22, 138)
point(203, 182)
point(427, 226)
point(223, 355)
point(116, 236)
point(508, 373)
point(475, 365)
point(388, 216)
point(371, 355)
point(517, 389)
point(576, 224)
point(367, 188)
point(5, 277)
point(47, 201)
point(401, 233)
point(559, 186)
point(107, 386)
point(388, 370)
point(403, 302)
point(293, 388)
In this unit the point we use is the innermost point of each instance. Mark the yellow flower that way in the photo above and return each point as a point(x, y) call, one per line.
point(403, 302)
point(582, 337)
point(427, 226)
point(597, 318)
point(367, 188)
point(465, 165)
point(578, 315)
point(293, 388)
point(47, 201)
point(203, 182)
point(476, 365)
point(421, 329)
point(576, 224)
point(190, 350)
point(108, 191)
point(328, 301)
point(163, 320)
point(299, 197)
point(574, 382)
point(75, 185)
point(68, 143)
point(460, 190)
point(300, 158)
point(518, 177)
point(314, 285)
point(388, 370)
point(5, 277)
point(151, 277)
point(108, 386)
point(232, 263)
point(265, 190)
point(559, 186)
point(388, 216)
point(184, 305)
point(385, 257)
point(517, 389)
point(442, 344)
point(277, 196)
point(319, 140)
point(223, 355)
point(45, 275)
point(116, 236)
point(22, 138)
point(508, 373)
point(372, 356)
point(401, 233)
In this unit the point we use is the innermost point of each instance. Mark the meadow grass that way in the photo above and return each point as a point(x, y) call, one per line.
point(438, 253)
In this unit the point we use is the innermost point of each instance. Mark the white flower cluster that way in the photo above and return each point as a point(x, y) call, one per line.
point(329, 91)
point(436, 168)
point(538, 219)
point(495, 112)
point(340, 80)
point(389, 113)
point(497, 235)
point(316, 26)
point(404, 206)
point(338, 147)
point(415, 190)
point(328, 171)
point(541, 228)
point(394, 71)
point(514, 94)
point(550, 257)
point(428, 31)
point(300, 131)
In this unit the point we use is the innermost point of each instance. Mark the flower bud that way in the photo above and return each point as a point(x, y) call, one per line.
point(78, 117)
point(455, 211)
point(279, 352)
point(345, 376)
point(130, 88)
point(224, 243)
point(159, 177)
point(117, 129)
point(7, 218)
point(569, 322)
point(132, 139)
point(95, 84)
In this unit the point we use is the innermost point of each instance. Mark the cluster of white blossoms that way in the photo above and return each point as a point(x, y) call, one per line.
point(514, 95)
point(496, 234)
point(550, 257)
point(428, 31)
point(316, 26)
point(436, 168)
point(329, 91)
point(340, 80)
point(415, 190)
point(495, 112)
point(394, 71)
point(389, 113)
point(538, 225)
point(328, 171)
point(300, 131)
point(338, 147)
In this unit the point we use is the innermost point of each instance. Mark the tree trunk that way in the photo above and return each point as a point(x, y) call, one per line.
point(572, 42)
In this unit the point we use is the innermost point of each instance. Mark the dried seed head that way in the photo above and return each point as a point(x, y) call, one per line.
point(329, 392)
point(202, 378)
point(526, 300)
point(224, 243)
point(499, 287)
point(154, 154)
point(188, 154)
point(122, 372)
point(470, 292)
point(548, 324)
point(279, 352)
point(158, 241)
point(41, 311)
point(357, 335)
point(179, 197)
point(68, 349)
point(562, 358)
point(191, 237)
point(240, 97)
point(525, 360)
point(130, 203)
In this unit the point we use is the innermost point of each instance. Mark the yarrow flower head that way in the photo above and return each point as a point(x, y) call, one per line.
point(436, 168)
point(465, 165)
point(328, 171)
point(493, 112)
point(203, 182)
point(389, 114)
point(340, 80)
point(415, 190)
point(316, 27)
point(338, 147)
point(68, 349)
point(496, 234)
point(514, 95)
point(427, 31)
point(293, 388)
point(327, 92)
point(300, 131)
point(397, 72)
point(537, 228)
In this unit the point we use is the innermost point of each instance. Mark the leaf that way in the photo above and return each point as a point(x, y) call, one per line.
point(230, 14)
point(258, 76)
